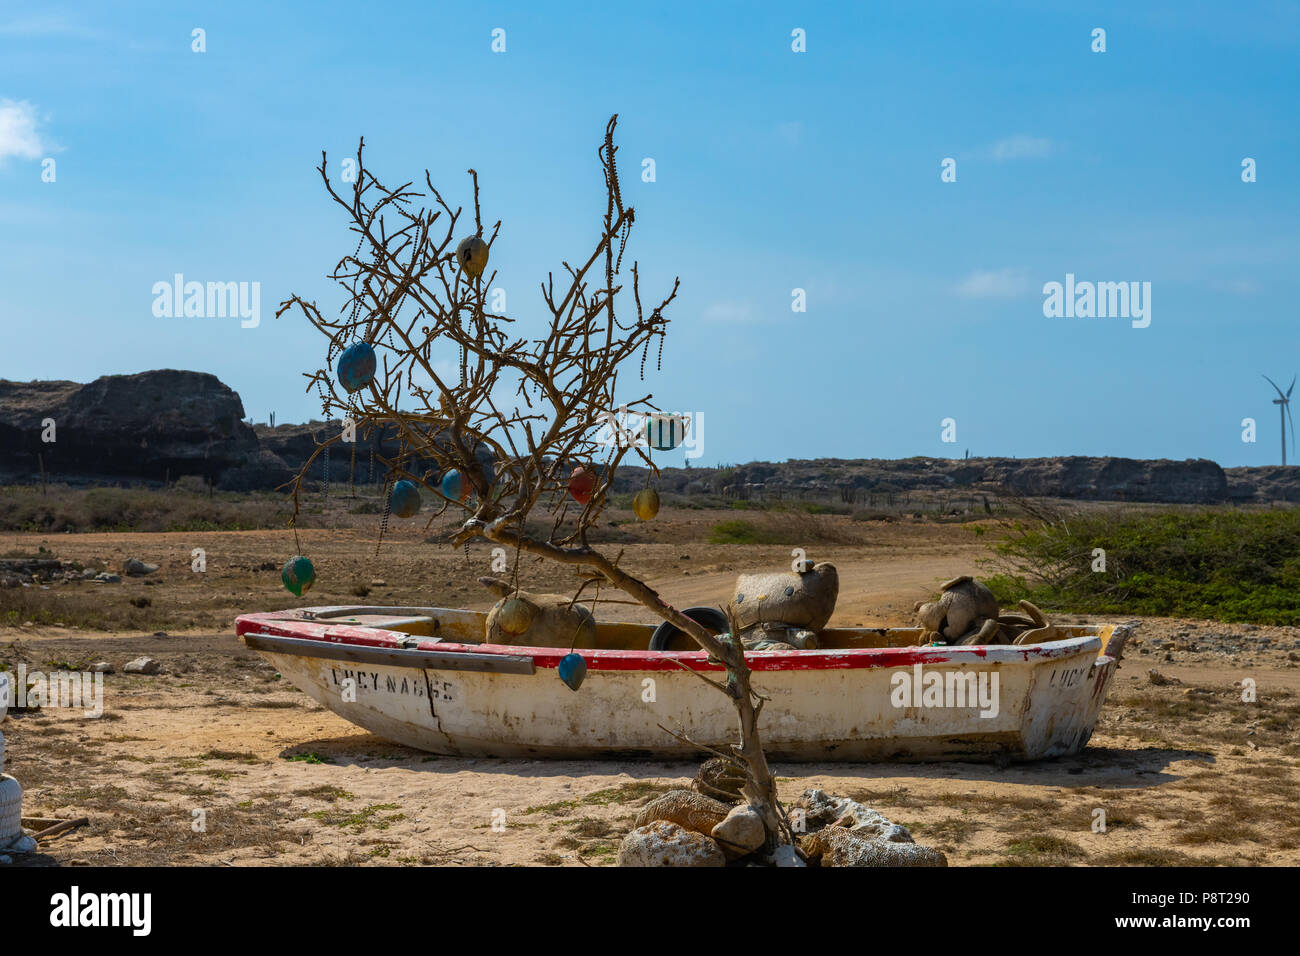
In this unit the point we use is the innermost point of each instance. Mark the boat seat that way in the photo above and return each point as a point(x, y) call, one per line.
point(420, 625)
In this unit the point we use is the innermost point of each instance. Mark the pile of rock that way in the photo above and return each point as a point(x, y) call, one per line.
point(30, 572)
point(683, 828)
point(687, 828)
point(843, 832)
point(20, 572)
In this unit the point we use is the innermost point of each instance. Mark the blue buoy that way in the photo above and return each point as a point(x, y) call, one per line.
point(356, 368)
point(455, 487)
point(405, 499)
point(573, 670)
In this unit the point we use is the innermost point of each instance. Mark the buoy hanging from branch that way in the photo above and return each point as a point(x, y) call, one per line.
point(356, 368)
point(582, 484)
point(573, 670)
point(405, 499)
point(645, 504)
point(298, 575)
point(515, 617)
point(455, 487)
point(472, 254)
point(666, 432)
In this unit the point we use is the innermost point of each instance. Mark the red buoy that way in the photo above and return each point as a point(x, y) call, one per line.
point(582, 484)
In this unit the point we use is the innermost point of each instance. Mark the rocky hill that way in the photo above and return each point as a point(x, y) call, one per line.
point(1103, 479)
point(160, 425)
point(151, 425)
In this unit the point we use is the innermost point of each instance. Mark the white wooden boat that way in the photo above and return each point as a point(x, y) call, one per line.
point(424, 677)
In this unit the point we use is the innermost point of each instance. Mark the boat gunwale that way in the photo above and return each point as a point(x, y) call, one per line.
point(286, 625)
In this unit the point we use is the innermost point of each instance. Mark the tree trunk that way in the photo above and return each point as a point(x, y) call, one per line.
point(760, 786)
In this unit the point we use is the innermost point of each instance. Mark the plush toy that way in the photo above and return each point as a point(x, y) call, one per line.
point(803, 599)
point(960, 612)
point(548, 620)
point(968, 613)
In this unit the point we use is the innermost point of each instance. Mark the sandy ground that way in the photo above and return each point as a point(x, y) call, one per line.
point(215, 760)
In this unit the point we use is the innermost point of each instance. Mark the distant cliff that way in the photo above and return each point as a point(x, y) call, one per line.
point(167, 423)
point(1104, 479)
point(148, 425)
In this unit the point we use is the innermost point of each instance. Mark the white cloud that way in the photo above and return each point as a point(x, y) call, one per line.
point(1020, 147)
point(18, 131)
point(728, 312)
point(45, 26)
point(994, 284)
point(1235, 286)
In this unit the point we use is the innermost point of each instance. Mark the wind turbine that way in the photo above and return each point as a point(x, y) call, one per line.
point(1283, 403)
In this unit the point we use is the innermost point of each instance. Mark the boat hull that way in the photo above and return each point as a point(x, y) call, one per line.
point(876, 704)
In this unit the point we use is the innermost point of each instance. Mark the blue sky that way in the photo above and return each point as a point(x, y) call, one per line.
point(775, 170)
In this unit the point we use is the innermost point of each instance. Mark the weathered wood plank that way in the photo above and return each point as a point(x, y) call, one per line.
point(359, 654)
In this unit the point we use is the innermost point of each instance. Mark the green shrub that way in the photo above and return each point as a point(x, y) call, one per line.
point(1227, 565)
point(737, 532)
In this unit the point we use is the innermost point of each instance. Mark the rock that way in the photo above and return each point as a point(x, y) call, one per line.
point(106, 578)
point(137, 568)
point(799, 599)
point(741, 833)
point(663, 843)
point(785, 855)
point(101, 667)
point(142, 665)
point(822, 809)
point(720, 779)
point(836, 846)
point(693, 811)
point(151, 425)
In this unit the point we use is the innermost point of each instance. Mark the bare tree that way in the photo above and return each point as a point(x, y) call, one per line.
point(516, 407)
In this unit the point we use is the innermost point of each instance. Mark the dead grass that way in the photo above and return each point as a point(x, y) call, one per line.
point(1042, 850)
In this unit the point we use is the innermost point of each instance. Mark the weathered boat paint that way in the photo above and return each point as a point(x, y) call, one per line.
point(834, 704)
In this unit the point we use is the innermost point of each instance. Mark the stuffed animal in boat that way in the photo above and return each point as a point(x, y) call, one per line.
point(963, 608)
point(802, 599)
point(536, 620)
point(966, 612)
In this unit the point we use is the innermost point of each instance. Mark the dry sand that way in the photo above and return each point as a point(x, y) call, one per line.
point(1198, 777)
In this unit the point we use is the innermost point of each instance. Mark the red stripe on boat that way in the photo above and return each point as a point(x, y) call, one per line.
point(282, 624)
